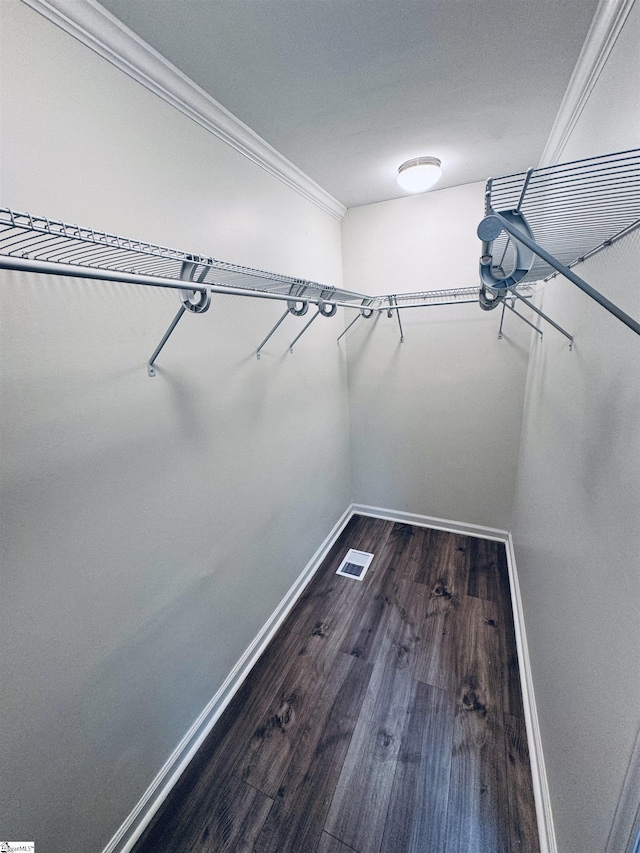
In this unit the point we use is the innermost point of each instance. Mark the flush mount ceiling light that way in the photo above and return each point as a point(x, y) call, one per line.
point(419, 174)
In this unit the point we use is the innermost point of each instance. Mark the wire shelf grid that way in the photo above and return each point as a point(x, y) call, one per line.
point(572, 208)
point(40, 239)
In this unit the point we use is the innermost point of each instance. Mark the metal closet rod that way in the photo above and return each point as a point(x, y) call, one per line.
point(361, 302)
point(55, 268)
point(374, 303)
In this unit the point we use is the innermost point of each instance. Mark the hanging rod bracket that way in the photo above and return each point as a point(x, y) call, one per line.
point(195, 300)
point(489, 229)
point(297, 305)
point(327, 309)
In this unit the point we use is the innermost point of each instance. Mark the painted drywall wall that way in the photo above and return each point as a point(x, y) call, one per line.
point(149, 526)
point(436, 420)
point(577, 515)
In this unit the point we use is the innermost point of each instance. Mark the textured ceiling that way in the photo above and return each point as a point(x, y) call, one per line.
point(349, 89)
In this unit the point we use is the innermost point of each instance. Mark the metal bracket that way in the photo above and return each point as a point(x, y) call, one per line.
point(524, 319)
point(544, 317)
point(196, 301)
point(523, 191)
point(513, 295)
point(352, 323)
point(395, 300)
point(297, 291)
point(150, 368)
point(298, 307)
point(505, 304)
point(516, 210)
point(365, 312)
point(326, 309)
point(281, 320)
point(297, 338)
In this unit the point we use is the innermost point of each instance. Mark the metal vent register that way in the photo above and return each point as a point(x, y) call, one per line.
point(355, 564)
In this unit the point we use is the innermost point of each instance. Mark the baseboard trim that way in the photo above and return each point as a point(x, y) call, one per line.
point(157, 792)
point(538, 772)
point(140, 817)
point(430, 521)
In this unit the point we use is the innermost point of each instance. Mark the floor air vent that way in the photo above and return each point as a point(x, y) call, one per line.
point(355, 564)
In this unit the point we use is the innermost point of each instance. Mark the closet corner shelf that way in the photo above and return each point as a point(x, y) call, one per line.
point(574, 209)
point(543, 222)
point(41, 245)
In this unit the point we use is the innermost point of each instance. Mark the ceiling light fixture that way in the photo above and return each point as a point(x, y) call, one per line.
point(419, 174)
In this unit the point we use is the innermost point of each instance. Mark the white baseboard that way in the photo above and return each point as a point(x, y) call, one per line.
point(135, 824)
point(429, 521)
point(137, 821)
point(538, 772)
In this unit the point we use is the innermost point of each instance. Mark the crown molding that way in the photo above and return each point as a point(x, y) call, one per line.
point(94, 26)
point(605, 28)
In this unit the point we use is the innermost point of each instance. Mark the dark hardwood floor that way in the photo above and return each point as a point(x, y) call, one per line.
point(385, 716)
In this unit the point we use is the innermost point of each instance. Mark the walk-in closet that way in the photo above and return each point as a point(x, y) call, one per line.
point(319, 485)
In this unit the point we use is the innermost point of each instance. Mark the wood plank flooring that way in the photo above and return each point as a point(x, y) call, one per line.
point(385, 716)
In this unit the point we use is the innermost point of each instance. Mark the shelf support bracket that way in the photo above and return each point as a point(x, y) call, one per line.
point(544, 317)
point(352, 323)
point(365, 311)
point(150, 368)
point(505, 304)
point(297, 338)
point(196, 301)
point(399, 320)
point(281, 320)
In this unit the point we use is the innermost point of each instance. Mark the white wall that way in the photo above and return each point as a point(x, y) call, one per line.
point(577, 517)
point(149, 526)
point(435, 421)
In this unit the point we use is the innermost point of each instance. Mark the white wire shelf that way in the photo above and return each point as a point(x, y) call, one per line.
point(79, 251)
point(39, 244)
point(573, 209)
point(446, 296)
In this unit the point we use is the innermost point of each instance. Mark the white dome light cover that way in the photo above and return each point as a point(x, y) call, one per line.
point(419, 174)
